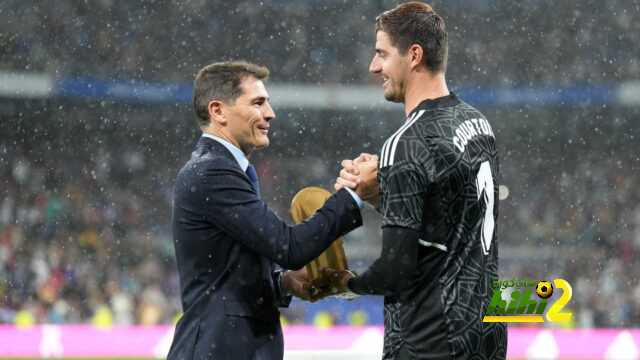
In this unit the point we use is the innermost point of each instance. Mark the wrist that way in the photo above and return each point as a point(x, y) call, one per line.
point(348, 294)
point(349, 284)
point(283, 283)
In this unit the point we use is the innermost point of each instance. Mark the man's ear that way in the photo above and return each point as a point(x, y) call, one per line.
point(215, 112)
point(417, 55)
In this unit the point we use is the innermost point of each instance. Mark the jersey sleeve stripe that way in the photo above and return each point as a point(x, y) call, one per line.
point(399, 134)
point(384, 151)
point(387, 145)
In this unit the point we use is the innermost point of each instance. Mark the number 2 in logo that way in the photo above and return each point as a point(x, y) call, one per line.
point(484, 185)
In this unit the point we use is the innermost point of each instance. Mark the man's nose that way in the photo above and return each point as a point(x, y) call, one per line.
point(374, 67)
point(269, 114)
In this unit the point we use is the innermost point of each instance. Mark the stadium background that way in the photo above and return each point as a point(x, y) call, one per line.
point(95, 121)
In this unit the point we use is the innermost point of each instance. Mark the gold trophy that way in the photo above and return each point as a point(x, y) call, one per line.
point(305, 204)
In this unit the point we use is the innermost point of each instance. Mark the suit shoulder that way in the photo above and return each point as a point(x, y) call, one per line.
point(201, 164)
point(213, 160)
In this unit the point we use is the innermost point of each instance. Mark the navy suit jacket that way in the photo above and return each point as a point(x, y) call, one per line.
point(227, 241)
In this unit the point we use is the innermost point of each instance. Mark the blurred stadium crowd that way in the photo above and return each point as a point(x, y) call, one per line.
point(86, 187)
point(330, 41)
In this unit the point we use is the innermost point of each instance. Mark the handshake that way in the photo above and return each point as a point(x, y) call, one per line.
point(361, 176)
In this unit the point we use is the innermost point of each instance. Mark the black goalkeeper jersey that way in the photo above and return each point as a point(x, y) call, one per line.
point(438, 175)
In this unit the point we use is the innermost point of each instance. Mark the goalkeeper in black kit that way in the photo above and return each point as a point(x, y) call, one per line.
point(436, 187)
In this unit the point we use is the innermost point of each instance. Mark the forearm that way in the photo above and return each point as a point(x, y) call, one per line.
point(307, 240)
point(393, 270)
point(232, 205)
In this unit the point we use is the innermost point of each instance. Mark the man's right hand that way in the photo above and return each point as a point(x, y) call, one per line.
point(297, 284)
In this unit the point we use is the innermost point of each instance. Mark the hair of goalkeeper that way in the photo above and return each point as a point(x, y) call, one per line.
point(417, 23)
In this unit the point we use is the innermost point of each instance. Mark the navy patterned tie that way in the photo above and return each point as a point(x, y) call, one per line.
point(253, 176)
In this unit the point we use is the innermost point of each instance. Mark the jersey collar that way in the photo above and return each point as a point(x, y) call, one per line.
point(444, 101)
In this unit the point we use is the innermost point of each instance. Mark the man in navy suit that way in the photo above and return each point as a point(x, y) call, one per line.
point(227, 240)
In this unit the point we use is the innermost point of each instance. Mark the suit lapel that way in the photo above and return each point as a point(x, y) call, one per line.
point(208, 145)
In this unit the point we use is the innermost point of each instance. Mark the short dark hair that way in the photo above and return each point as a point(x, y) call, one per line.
point(416, 23)
point(221, 81)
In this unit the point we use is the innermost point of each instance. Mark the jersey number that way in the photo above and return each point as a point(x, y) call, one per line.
point(484, 184)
